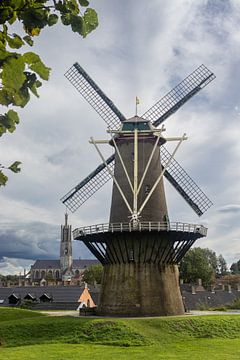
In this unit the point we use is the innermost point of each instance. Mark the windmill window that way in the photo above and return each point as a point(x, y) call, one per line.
point(147, 189)
point(130, 126)
point(131, 255)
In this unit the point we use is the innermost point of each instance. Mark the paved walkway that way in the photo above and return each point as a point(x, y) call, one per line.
point(203, 312)
point(75, 313)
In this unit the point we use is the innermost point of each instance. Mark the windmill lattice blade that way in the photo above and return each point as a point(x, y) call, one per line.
point(182, 182)
point(94, 96)
point(180, 94)
point(87, 187)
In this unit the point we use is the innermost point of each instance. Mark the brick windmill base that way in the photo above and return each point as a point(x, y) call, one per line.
point(140, 290)
point(140, 273)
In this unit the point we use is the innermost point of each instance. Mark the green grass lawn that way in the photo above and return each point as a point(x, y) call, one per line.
point(203, 349)
point(7, 314)
point(29, 335)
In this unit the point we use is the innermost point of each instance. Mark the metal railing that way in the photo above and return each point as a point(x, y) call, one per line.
point(141, 226)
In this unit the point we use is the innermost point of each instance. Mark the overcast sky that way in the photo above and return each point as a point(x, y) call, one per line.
point(141, 48)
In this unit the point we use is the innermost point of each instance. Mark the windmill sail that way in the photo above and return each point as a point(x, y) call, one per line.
point(179, 95)
point(175, 174)
point(88, 186)
point(94, 96)
point(184, 184)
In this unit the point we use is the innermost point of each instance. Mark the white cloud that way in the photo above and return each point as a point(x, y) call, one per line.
point(139, 50)
point(14, 266)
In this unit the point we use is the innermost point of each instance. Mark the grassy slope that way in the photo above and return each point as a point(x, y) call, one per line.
point(163, 330)
point(7, 314)
point(42, 329)
point(198, 338)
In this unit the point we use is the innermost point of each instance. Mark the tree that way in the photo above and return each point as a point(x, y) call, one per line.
point(12, 278)
point(199, 263)
point(222, 266)
point(93, 274)
point(235, 268)
point(21, 73)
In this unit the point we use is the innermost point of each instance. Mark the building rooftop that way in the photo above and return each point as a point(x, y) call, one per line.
point(57, 293)
point(55, 264)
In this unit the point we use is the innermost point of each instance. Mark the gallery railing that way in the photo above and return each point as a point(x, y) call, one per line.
point(140, 226)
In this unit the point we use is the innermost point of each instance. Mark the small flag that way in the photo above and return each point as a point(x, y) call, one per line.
point(137, 102)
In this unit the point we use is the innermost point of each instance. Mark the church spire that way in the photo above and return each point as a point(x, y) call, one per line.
point(66, 219)
point(66, 247)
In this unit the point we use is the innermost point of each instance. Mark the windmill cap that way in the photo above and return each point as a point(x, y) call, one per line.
point(137, 122)
point(135, 119)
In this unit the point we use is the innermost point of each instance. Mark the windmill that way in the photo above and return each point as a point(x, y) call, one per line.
point(139, 247)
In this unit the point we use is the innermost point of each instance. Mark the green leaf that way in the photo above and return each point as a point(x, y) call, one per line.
point(8, 122)
point(62, 7)
point(13, 116)
point(78, 25)
point(6, 14)
point(41, 70)
point(32, 31)
point(83, 2)
point(28, 40)
point(36, 64)
point(52, 20)
point(15, 167)
point(66, 19)
point(13, 18)
point(33, 89)
point(34, 19)
point(5, 29)
point(22, 97)
point(73, 7)
point(4, 54)
point(2, 40)
point(91, 20)
point(15, 42)
point(16, 4)
point(6, 97)
point(38, 83)
point(34, 84)
point(12, 73)
point(3, 129)
point(3, 179)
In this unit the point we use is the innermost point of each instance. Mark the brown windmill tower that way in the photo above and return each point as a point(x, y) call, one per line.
point(139, 247)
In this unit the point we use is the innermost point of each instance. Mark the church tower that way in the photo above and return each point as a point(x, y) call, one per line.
point(66, 250)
